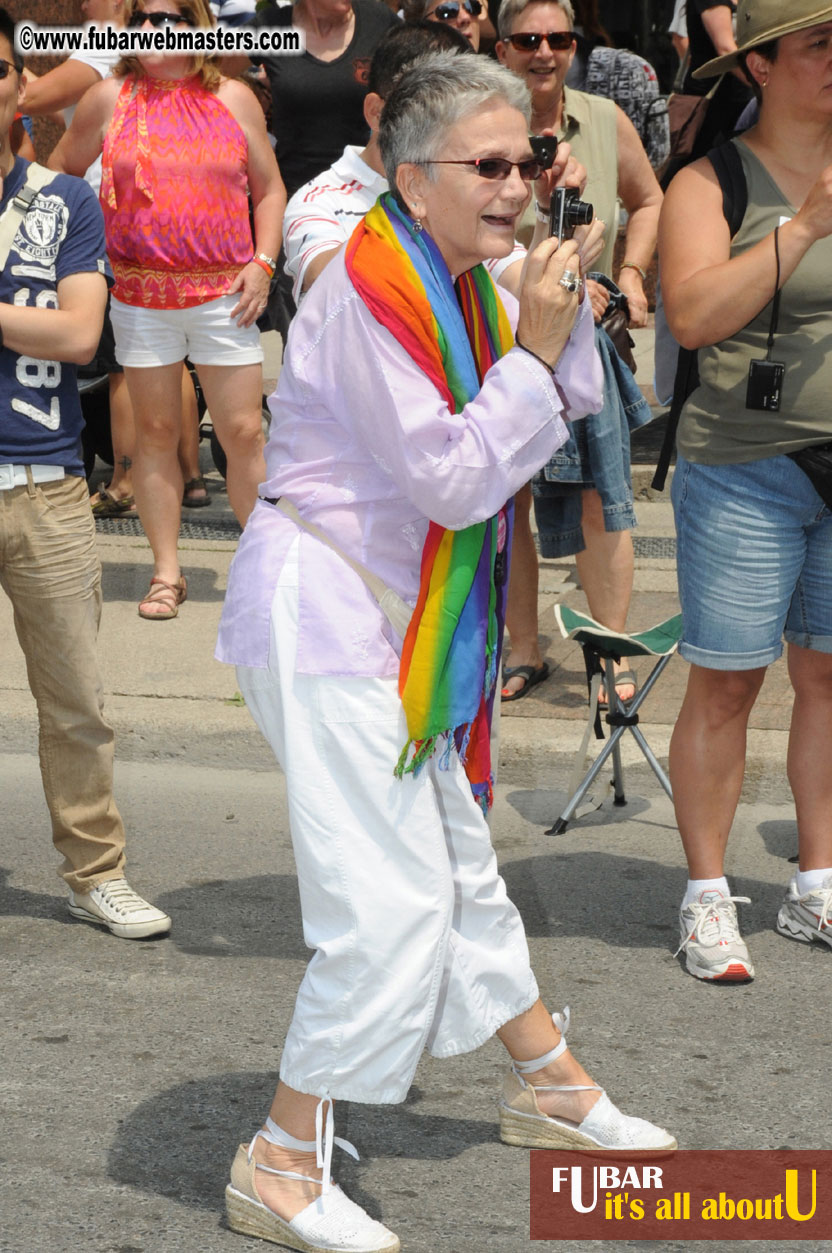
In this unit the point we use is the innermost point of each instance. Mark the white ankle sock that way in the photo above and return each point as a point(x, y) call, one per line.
point(810, 880)
point(697, 886)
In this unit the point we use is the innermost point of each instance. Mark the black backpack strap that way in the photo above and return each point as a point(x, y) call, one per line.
point(687, 378)
point(730, 174)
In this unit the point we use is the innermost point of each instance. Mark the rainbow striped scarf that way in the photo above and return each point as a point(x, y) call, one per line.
point(451, 654)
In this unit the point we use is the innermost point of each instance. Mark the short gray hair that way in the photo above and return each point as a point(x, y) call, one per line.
point(510, 10)
point(434, 93)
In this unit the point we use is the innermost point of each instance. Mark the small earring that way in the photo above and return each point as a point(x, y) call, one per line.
point(764, 83)
point(417, 226)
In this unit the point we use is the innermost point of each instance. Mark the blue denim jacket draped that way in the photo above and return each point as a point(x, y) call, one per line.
point(597, 454)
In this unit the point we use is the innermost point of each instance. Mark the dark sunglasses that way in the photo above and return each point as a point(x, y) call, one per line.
point(529, 41)
point(6, 68)
point(450, 9)
point(158, 20)
point(499, 168)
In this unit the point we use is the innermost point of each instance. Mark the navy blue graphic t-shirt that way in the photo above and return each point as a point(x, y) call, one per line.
point(62, 234)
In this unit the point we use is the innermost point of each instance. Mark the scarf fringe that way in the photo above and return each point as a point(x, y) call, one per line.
point(423, 750)
point(484, 794)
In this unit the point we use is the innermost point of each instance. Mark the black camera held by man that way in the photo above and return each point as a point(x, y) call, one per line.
point(568, 211)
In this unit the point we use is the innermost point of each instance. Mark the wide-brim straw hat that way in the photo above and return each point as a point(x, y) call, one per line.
point(758, 21)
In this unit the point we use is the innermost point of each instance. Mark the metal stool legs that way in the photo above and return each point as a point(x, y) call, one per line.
point(620, 718)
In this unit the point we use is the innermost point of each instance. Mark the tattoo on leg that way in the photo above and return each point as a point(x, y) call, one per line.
point(125, 463)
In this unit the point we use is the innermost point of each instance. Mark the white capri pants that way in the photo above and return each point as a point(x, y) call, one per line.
point(416, 944)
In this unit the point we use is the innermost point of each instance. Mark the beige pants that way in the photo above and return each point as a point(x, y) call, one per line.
point(49, 569)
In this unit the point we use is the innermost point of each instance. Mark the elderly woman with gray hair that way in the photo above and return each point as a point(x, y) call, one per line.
point(411, 406)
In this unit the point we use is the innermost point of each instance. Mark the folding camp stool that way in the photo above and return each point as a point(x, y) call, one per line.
point(602, 645)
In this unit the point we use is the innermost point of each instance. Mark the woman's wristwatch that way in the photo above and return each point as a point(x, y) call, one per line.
point(269, 264)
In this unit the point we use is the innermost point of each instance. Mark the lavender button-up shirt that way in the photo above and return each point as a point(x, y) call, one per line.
point(366, 448)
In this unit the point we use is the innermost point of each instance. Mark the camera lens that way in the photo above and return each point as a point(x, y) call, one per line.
point(579, 213)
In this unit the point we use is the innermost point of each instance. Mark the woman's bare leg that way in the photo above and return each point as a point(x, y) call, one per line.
point(707, 762)
point(532, 1034)
point(605, 568)
point(521, 602)
point(234, 395)
point(808, 758)
point(188, 451)
point(123, 436)
point(157, 478)
point(293, 1112)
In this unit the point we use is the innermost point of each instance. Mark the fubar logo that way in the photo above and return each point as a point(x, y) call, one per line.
point(689, 1195)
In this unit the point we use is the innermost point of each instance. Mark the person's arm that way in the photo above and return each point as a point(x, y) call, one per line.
point(719, 27)
point(708, 295)
point(507, 272)
point(61, 87)
point(82, 143)
point(268, 198)
point(642, 198)
point(456, 468)
point(21, 143)
point(312, 235)
point(69, 333)
point(316, 267)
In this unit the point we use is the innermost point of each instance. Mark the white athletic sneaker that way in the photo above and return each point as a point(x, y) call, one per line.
point(710, 937)
point(806, 917)
point(114, 905)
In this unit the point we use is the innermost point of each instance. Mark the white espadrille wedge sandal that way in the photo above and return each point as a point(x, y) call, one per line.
point(605, 1127)
point(331, 1224)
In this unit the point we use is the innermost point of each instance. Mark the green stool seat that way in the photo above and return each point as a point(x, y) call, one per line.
point(602, 645)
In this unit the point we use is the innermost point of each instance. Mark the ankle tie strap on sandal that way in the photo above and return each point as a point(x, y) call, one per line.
point(521, 1069)
point(322, 1146)
point(523, 1123)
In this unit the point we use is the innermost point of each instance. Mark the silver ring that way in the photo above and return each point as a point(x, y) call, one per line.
point(570, 282)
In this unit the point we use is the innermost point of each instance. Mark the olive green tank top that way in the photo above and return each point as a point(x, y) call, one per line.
point(715, 426)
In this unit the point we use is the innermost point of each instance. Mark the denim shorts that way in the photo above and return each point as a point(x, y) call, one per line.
point(754, 562)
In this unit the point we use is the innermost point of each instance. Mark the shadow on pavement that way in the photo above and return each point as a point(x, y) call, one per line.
point(180, 1142)
point(613, 899)
point(254, 917)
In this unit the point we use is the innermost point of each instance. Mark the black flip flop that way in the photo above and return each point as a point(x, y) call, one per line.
point(532, 675)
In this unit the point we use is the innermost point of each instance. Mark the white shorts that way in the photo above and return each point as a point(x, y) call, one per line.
point(416, 944)
point(207, 334)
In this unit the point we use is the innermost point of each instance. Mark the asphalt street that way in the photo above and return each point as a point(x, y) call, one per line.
point(132, 1070)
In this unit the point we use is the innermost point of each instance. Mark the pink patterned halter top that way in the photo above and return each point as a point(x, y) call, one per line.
point(174, 194)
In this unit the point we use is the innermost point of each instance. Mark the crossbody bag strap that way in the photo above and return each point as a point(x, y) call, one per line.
point(37, 176)
point(396, 610)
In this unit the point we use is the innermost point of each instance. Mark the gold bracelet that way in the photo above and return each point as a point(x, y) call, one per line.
point(631, 265)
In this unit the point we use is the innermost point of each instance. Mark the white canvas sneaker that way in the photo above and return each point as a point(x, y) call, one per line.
point(113, 904)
